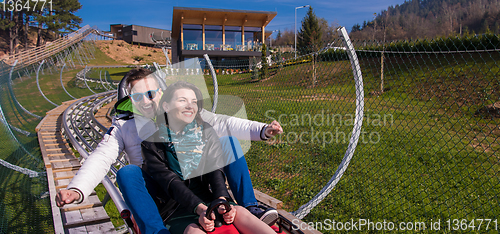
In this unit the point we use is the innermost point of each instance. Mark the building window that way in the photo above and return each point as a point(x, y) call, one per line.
point(249, 37)
point(213, 37)
point(193, 38)
point(233, 37)
point(134, 32)
point(192, 26)
point(213, 27)
point(252, 37)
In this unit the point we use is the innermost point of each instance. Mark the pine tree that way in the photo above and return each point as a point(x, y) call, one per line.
point(16, 24)
point(62, 19)
point(265, 66)
point(58, 17)
point(309, 37)
point(356, 28)
point(8, 24)
point(41, 17)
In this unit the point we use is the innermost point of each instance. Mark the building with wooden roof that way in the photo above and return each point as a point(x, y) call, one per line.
point(222, 34)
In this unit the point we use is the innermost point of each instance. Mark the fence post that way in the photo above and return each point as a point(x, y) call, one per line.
point(382, 73)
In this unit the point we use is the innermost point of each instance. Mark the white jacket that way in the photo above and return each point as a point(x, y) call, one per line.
point(123, 136)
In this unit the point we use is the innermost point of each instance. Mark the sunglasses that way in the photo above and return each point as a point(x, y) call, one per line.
point(150, 94)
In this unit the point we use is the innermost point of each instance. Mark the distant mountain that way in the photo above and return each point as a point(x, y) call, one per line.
point(431, 18)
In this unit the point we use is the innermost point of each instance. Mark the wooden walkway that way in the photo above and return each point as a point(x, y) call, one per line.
point(61, 165)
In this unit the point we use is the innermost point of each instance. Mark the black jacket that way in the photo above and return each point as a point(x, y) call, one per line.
point(154, 151)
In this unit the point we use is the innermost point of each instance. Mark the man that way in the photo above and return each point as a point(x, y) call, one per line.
point(131, 127)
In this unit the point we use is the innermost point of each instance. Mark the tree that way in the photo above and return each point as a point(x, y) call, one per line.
point(41, 19)
point(8, 23)
point(356, 28)
point(13, 22)
point(485, 26)
point(309, 37)
point(327, 31)
point(285, 38)
point(27, 18)
point(265, 66)
point(58, 17)
point(62, 19)
point(432, 18)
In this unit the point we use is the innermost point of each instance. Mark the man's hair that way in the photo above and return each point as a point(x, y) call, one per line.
point(135, 75)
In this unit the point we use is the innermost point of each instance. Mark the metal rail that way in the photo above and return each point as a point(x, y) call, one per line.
point(121, 160)
point(17, 104)
point(38, 84)
point(356, 130)
point(84, 133)
point(62, 84)
point(214, 79)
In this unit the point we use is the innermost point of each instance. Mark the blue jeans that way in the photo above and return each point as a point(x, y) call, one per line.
point(137, 188)
point(237, 173)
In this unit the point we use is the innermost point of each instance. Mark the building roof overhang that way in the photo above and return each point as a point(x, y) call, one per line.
point(188, 15)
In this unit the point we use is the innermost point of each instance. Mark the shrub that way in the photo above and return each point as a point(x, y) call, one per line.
point(137, 58)
point(265, 67)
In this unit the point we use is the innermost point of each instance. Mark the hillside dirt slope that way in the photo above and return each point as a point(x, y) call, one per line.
point(121, 51)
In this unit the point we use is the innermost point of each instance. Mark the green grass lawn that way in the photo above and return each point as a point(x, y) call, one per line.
point(113, 73)
point(418, 157)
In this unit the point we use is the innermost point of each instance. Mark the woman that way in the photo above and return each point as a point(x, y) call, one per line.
point(185, 158)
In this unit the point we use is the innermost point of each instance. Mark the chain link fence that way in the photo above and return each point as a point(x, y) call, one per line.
point(426, 150)
point(27, 92)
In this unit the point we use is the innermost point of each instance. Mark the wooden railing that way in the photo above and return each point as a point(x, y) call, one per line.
point(39, 53)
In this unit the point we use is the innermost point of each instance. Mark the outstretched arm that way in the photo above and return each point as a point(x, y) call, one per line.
point(243, 129)
point(94, 169)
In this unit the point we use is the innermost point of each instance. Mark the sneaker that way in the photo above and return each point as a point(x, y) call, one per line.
point(267, 215)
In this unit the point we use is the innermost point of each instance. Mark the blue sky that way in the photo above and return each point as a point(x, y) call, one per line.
point(158, 13)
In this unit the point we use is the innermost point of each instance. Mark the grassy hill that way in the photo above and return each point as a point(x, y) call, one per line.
point(426, 150)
